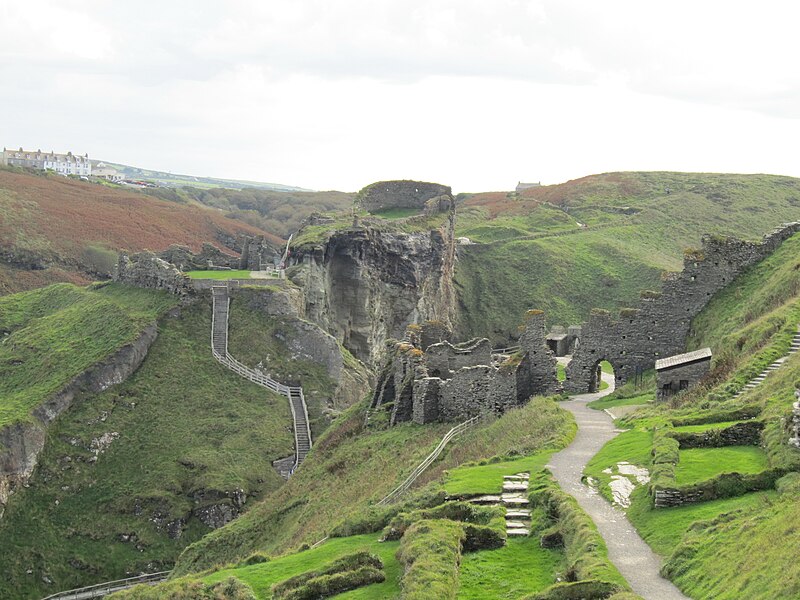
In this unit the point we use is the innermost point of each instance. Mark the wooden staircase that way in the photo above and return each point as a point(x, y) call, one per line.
point(219, 348)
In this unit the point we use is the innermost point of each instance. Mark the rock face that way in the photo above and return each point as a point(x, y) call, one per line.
point(146, 270)
point(366, 284)
point(308, 341)
point(660, 325)
point(21, 443)
point(404, 194)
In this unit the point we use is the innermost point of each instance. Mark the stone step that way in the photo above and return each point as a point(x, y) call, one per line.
point(515, 487)
point(516, 525)
point(518, 513)
point(515, 478)
point(486, 499)
point(516, 501)
point(518, 532)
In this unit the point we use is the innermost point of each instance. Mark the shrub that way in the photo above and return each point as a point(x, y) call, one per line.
point(349, 563)
point(454, 511)
point(430, 552)
point(325, 586)
point(585, 551)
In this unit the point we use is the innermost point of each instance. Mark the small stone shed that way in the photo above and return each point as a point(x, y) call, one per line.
point(680, 372)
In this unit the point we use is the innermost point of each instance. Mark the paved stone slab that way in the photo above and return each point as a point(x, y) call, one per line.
point(488, 499)
point(518, 513)
point(518, 532)
point(515, 487)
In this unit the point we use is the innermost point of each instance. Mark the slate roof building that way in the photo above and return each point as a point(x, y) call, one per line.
point(677, 373)
point(65, 164)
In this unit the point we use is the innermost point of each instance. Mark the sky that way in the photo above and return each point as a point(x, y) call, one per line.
point(336, 94)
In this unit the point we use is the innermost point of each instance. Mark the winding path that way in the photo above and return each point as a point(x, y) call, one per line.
point(629, 553)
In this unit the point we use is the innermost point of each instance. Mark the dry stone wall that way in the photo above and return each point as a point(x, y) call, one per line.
point(659, 326)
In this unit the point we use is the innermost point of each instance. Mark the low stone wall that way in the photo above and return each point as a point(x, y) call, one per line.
point(740, 434)
point(146, 270)
point(207, 284)
point(726, 485)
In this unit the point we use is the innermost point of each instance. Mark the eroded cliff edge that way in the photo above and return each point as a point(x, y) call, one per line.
point(365, 283)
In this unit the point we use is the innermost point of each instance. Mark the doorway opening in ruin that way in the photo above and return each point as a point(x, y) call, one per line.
point(602, 374)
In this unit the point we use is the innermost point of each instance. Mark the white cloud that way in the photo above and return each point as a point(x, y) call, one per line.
point(477, 94)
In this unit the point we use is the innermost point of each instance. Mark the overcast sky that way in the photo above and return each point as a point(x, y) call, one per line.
point(335, 94)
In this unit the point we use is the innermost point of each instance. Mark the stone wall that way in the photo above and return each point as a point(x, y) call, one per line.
point(257, 252)
point(747, 433)
point(450, 382)
point(404, 194)
point(659, 326)
point(146, 270)
point(210, 256)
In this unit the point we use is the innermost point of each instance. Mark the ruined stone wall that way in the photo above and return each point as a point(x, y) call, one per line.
point(257, 253)
point(403, 194)
point(146, 270)
point(660, 325)
point(445, 383)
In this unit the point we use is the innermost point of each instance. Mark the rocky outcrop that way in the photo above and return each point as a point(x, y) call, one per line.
point(146, 270)
point(366, 284)
point(308, 341)
point(21, 443)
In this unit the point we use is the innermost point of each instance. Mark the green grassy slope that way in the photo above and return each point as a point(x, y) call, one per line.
point(56, 333)
point(743, 546)
point(184, 433)
point(531, 252)
point(351, 466)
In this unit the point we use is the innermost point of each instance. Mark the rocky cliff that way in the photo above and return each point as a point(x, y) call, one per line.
point(366, 283)
point(21, 443)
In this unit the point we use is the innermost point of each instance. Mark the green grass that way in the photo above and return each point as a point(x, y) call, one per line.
point(617, 256)
point(56, 333)
point(331, 486)
point(488, 478)
point(700, 464)
point(561, 372)
point(232, 274)
point(747, 555)
point(611, 402)
point(663, 528)
point(631, 446)
point(262, 576)
point(521, 567)
point(189, 433)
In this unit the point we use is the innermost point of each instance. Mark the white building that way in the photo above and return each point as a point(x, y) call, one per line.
point(65, 164)
point(103, 171)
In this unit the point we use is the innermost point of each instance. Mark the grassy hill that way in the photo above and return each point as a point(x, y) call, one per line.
point(58, 229)
point(125, 469)
point(52, 335)
point(598, 241)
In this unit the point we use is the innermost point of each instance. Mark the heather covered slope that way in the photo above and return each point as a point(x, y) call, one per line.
point(58, 229)
point(599, 240)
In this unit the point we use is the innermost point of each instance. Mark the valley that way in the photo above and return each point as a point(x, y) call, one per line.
point(398, 329)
